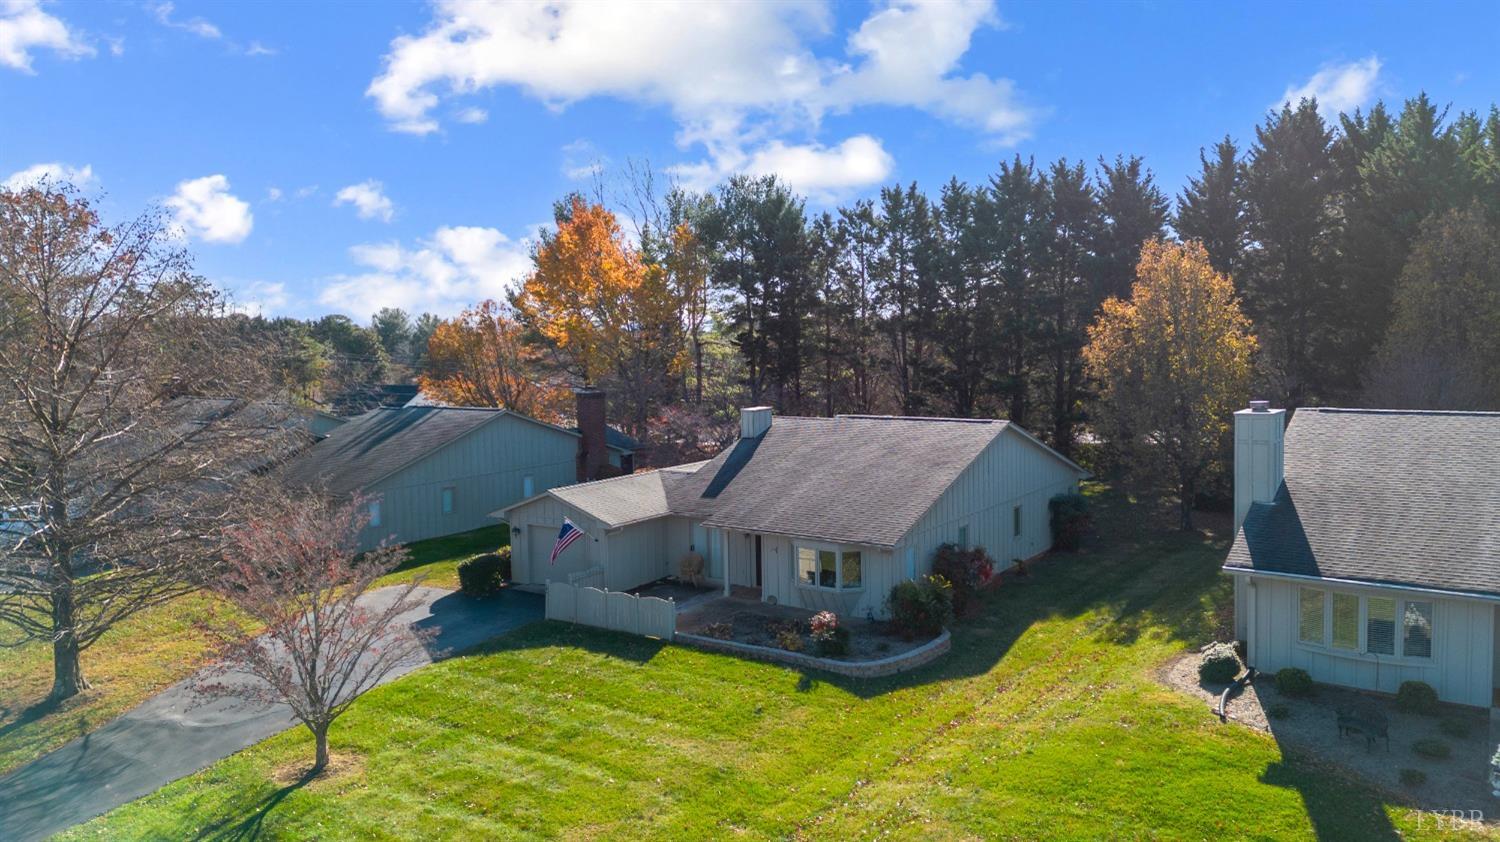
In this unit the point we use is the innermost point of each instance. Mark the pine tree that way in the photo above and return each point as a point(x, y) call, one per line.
point(1288, 282)
point(907, 293)
point(1067, 299)
point(1211, 209)
point(960, 272)
point(1017, 250)
point(1134, 211)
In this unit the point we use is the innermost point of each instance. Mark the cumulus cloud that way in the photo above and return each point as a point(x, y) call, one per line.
point(1337, 87)
point(582, 160)
point(54, 173)
point(25, 27)
point(258, 298)
point(471, 115)
point(746, 77)
point(454, 268)
point(823, 173)
point(369, 200)
point(203, 208)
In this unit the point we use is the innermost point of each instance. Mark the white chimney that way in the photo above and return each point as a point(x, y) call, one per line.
point(754, 420)
point(1258, 435)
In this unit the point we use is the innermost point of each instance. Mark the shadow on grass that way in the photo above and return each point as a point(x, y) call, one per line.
point(1337, 810)
point(245, 827)
point(28, 715)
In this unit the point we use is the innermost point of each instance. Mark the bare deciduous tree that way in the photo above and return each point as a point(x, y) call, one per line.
point(297, 571)
point(128, 418)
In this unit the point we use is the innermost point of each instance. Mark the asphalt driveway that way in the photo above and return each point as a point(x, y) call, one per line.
point(176, 733)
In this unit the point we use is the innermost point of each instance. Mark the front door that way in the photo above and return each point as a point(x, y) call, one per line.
point(757, 561)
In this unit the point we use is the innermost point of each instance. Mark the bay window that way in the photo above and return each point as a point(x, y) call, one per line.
point(1360, 623)
point(829, 567)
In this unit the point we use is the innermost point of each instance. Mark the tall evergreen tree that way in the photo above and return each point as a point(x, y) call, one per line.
point(907, 293)
point(960, 272)
point(1067, 298)
point(861, 264)
point(1211, 209)
point(1288, 282)
point(1134, 210)
point(1017, 249)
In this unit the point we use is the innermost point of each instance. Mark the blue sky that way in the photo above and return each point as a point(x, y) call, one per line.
point(341, 157)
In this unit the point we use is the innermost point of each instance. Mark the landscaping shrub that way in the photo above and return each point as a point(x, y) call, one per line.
point(966, 570)
point(485, 575)
point(1280, 710)
point(921, 608)
point(1416, 697)
point(1432, 749)
point(1070, 520)
point(719, 631)
point(1413, 777)
point(1292, 681)
point(830, 637)
point(1454, 727)
point(790, 639)
point(1219, 665)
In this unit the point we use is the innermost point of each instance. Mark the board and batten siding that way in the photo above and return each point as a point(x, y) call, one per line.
point(539, 522)
point(486, 470)
point(1463, 639)
point(1012, 471)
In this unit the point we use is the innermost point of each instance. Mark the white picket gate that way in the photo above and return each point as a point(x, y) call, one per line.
point(614, 610)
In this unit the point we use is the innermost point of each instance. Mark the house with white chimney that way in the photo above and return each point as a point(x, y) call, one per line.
point(815, 513)
point(1367, 547)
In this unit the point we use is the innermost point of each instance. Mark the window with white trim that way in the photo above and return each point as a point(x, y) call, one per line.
point(829, 567)
point(1364, 623)
point(528, 487)
point(447, 501)
point(374, 512)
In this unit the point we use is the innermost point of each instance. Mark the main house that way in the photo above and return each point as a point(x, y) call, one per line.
point(430, 471)
point(819, 513)
point(1367, 547)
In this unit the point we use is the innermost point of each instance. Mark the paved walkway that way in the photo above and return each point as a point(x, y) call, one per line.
point(175, 733)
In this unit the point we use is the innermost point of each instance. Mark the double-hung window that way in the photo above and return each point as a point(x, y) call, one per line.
point(447, 501)
point(1362, 623)
point(374, 513)
point(829, 567)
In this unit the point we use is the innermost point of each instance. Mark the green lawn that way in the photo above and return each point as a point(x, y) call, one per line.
point(152, 650)
point(1044, 722)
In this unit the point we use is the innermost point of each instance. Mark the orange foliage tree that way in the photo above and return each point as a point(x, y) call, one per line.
point(480, 358)
point(614, 319)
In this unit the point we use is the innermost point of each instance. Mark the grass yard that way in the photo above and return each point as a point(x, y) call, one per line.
point(1044, 722)
point(152, 650)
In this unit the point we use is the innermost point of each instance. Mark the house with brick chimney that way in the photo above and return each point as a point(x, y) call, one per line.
point(1367, 547)
point(430, 471)
point(815, 513)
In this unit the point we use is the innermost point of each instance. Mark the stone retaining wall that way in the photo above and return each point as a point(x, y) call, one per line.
point(909, 660)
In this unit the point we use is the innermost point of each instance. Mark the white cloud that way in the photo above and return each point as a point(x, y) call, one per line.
point(274, 194)
point(256, 48)
point(369, 200)
point(195, 25)
point(1337, 87)
point(258, 298)
point(582, 160)
point(471, 115)
point(823, 173)
point(455, 268)
point(54, 173)
point(205, 209)
point(24, 27)
point(746, 76)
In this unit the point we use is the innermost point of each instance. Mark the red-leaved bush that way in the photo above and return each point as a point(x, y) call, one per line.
point(966, 570)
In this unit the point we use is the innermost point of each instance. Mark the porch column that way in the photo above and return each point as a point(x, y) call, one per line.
point(724, 557)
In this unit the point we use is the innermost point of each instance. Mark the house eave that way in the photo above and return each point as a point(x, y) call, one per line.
point(1361, 583)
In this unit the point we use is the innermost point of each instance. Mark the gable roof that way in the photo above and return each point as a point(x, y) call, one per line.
point(1404, 498)
point(850, 479)
point(375, 445)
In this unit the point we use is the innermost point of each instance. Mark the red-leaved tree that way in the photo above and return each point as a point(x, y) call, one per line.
point(296, 570)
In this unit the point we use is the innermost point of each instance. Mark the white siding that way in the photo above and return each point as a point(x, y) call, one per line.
point(1463, 639)
point(1012, 471)
point(539, 522)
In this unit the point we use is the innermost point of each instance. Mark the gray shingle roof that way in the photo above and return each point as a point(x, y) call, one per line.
point(1383, 496)
point(851, 479)
point(380, 442)
point(620, 500)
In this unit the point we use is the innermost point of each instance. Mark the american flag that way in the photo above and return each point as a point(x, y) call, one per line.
point(565, 536)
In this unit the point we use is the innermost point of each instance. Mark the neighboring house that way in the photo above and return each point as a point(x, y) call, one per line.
point(821, 513)
point(432, 471)
point(362, 399)
point(1367, 547)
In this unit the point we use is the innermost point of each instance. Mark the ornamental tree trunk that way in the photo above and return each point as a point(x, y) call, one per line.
point(67, 671)
point(1188, 492)
point(320, 736)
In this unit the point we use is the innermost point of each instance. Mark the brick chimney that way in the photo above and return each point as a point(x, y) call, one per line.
point(593, 448)
point(1258, 436)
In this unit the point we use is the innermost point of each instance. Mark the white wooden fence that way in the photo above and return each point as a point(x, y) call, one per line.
point(615, 610)
point(592, 577)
